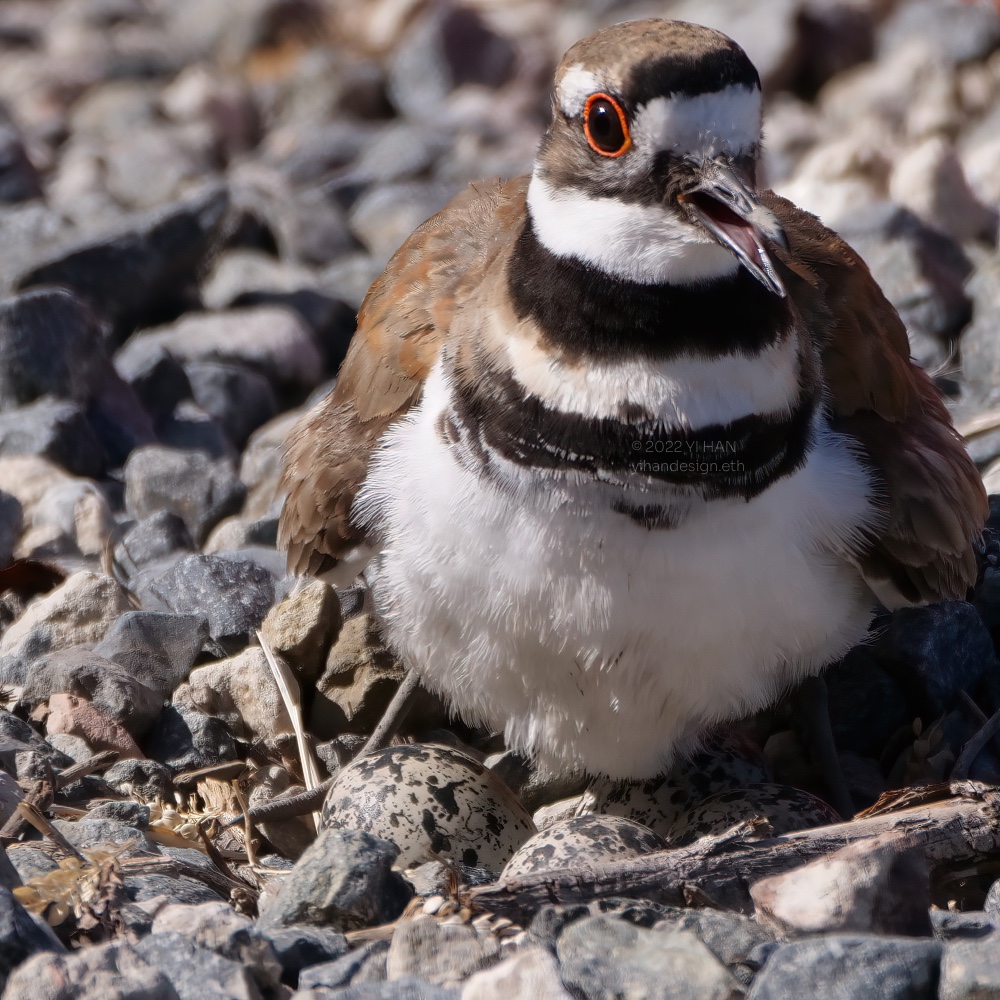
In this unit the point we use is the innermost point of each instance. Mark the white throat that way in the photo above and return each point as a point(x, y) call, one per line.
point(641, 243)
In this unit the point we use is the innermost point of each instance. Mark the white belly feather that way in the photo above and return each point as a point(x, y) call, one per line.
point(590, 639)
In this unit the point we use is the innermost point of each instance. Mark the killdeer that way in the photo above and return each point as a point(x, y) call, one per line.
point(630, 445)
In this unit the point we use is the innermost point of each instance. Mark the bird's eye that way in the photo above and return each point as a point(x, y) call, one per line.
point(605, 125)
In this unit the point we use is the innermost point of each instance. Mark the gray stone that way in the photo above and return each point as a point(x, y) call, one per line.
point(20, 936)
point(366, 964)
point(951, 925)
point(79, 611)
point(234, 594)
point(30, 862)
point(88, 834)
point(111, 688)
point(530, 973)
point(235, 533)
point(344, 880)
point(19, 180)
point(130, 813)
point(157, 378)
point(111, 971)
point(160, 535)
point(731, 937)
point(218, 928)
point(960, 33)
point(188, 483)
point(185, 739)
point(443, 954)
point(846, 967)
point(240, 399)
point(400, 989)
point(56, 430)
point(145, 780)
point(261, 463)
point(17, 736)
point(159, 648)
point(604, 958)
point(190, 428)
point(863, 888)
point(140, 270)
point(197, 973)
point(970, 970)
point(11, 522)
point(268, 339)
point(79, 511)
point(448, 46)
point(176, 889)
point(991, 906)
point(299, 947)
point(303, 626)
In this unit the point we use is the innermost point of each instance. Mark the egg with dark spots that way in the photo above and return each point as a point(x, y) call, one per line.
point(433, 802)
point(583, 841)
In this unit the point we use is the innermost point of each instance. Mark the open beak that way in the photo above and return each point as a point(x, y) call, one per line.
point(727, 206)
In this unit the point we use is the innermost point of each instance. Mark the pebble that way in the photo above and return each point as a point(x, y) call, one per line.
point(532, 972)
point(440, 953)
point(344, 881)
point(365, 964)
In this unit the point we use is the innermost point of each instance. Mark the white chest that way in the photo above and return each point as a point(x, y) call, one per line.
point(589, 639)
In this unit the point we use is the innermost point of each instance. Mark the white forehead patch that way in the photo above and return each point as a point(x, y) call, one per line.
point(726, 121)
point(576, 85)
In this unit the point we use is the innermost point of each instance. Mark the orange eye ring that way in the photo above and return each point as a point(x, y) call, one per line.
point(605, 135)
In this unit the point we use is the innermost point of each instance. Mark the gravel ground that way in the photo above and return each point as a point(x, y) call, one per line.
point(194, 198)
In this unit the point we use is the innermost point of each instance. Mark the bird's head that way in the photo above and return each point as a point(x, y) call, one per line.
point(648, 169)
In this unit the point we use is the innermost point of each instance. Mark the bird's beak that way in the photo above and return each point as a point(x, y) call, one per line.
point(726, 204)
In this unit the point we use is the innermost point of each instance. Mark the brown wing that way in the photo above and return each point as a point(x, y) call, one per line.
point(403, 321)
point(936, 504)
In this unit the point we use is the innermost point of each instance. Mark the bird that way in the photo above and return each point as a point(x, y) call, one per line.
point(629, 446)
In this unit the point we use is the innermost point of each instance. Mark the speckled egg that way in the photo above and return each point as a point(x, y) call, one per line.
point(661, 801)
point(583, 840)
point(431, 801)
point(785, 807)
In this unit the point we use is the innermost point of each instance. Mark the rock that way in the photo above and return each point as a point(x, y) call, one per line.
point(110, 688)
point(138, 273)
point(10, 795)
point(661, 802)
point(366, 964)
point(76, 716)
point(184, 739)
point(980, 353)
point(532, 972)
point(168, 890)
point(240, 399)
point(866, 705)
point(80, 512)
point(50, 344)
point(862, 888)
point(156, 647)
point(56, 430)
point(448, 46)
point(11, 522)
point(19, 180)
point(991, 906)
point(970, 970)
point(959, 33)
point(268, 339)
point(302, 627)
point(344, 881)
point(431, 801)
point(79, 611)
point(845, 967)
point(936, 651)
point(930, 182)
point(360, 677)
point(349, 277)
point(196, 973)
point(157, 378)
point(443, 954)
point(190, 428)
point(241, 692)
point(604, 957)
point(130, 813)
point(235, 533)
point(20, 936)
point(17, 736)
point(111, 971)
point(145, 780)
point(234, 594)
point(299, 947)
point(188, 483)
point(105, 834)
point(158, 536)
point(583, 841)
point(957, 926)
point(401, 989)
point(218, 928)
